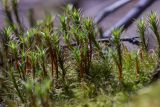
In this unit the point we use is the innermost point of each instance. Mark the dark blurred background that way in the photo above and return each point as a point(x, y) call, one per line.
point(89, 8)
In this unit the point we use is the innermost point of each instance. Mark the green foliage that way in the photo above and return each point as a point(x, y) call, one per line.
point(148, 96)
point(154, 24)
point(38, 91)
point(141, 26)
point(47, 66)
point(118, 56)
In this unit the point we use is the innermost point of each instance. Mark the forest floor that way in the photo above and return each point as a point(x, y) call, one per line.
point(38, 70)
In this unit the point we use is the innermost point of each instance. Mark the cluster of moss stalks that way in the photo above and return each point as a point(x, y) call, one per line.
point(64, 65)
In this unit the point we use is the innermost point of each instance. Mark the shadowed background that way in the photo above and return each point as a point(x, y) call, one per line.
point(90, 8)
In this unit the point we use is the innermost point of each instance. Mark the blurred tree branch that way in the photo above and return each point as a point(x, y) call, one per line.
point(133, 14)
point(109, 9)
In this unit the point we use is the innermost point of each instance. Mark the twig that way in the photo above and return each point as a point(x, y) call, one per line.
point(132, 40)
point(134, 13)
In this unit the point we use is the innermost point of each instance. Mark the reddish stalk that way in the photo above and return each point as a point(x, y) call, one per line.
point(81, 63)
point(137, 68)
point(18, 68)
point(54, 63)
point(44, 69)
point(120, 72)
